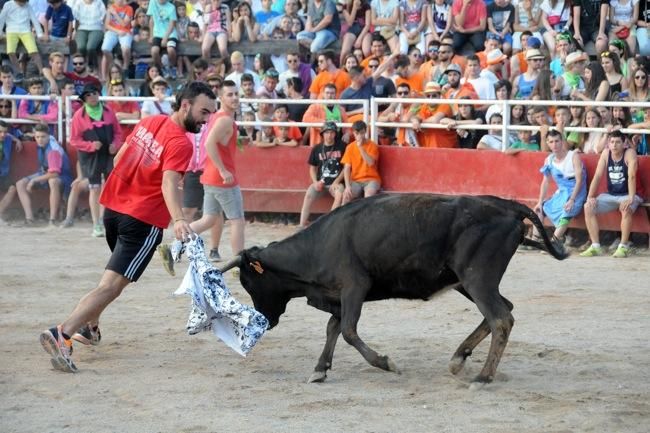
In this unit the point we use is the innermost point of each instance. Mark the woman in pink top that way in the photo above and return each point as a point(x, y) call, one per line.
point(217, 28)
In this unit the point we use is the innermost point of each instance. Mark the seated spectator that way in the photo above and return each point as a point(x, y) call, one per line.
point(293, 134)
point(319, 113)
point(528, 19)
point(290, 11)
point(217, 28)
point(360, 88)
point(238, 69)
point(356, 16)
point(571, 79)
point(265, 136)
point(159, 88)
point(39, 110)
point(523, 142)
point(183, 26)
point(18, 15)
point(269, 83)
point(244, 27)
point(623, 15)
point(323, 26)
point(248, 133)
point(439, 20)
point(433, 113)
point(80, 74)
point(593, 141)
point(123, 110)
point(8, 86)
point(483, 87)
point(413, 14)
point(401, 112)
point(142, 61)
point(53, 173)
point(466, 115)
point(118, 31)
point(619, 48)
point(492, 42)
point(493, 140)
point(360, 165)
point(163, 17)
point(612, 65)
point(406, 74)
point(500, 21)
point(89, 32)
point(62, 22)
point(642, 25)
point(596, 84)
point(518, 64)
point(265, 15)
point(194, 11)
point(524, 84)
point(384, 18)
point(470, 19)
point(152, 73)
point(563, 46)
point(495, 68)
point(8, 143)
point(624, 192)
point(96, 134)
point(325, 171)
point(570, 176)
point(590, 22)
point(141, 20)
point(296, 68)
point(328, 73)
point(556, 18)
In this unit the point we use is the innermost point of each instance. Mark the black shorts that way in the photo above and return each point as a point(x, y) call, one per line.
point(132, 242)
point(94, 165)
point(6, 183)
point(171, 42)
point(192, 190)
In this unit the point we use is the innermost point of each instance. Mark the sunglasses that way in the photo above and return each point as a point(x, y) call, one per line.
point(5, 105)
point(116, 82)
point(605, 54)
point(433, 95)
point(433, 50)
point(373, 66)
point(292, 61)
point(402, 93)
point(640, 77)
point(78, 63)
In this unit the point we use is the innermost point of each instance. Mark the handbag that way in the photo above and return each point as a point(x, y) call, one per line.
point(414, 40)
point(623, 33)
point(387, 32)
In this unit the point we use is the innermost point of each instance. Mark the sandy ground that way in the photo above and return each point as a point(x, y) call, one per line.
point(577, 360)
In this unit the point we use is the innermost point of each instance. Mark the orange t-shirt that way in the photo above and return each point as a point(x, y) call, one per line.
point(359, 170)
point(123, 12)
point(416, 81)
point(523, 63)
point(340, 79)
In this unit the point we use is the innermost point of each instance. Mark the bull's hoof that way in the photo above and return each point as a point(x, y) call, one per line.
point(456, 364)
point(479, 382)
point(317, 377)
point(391, 366)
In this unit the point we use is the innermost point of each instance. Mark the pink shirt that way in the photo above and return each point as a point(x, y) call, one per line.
point(197, 163)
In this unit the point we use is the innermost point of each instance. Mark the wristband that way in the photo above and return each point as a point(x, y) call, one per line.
point(179, 219)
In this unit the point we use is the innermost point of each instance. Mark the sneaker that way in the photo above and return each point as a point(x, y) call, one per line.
point(621, 252)
point(592, 251)
point(67, 223)
point(167, 259)
point(88, 335)
point(59, 348)
point(214, 255)
point(173, 73)
point(98, 231)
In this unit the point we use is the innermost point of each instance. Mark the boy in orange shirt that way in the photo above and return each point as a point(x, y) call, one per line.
point(360, 169)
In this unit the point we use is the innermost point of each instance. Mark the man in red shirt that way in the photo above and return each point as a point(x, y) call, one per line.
point(140, 196)
point(221, 190)
point(470, 19)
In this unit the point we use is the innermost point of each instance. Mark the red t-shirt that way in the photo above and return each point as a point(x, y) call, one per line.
point(134, 187)
point(210, 174)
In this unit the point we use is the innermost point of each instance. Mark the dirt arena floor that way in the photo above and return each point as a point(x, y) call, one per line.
point(577, 360)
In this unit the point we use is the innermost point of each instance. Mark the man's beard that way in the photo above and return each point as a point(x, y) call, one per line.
point(191, 124)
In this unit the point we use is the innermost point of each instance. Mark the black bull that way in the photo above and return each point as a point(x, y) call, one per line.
point(407, 246)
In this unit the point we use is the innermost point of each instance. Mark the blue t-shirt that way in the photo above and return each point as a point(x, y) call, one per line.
point(162, 15)
point(61, 17)
point(262, 17)
point(5, 156)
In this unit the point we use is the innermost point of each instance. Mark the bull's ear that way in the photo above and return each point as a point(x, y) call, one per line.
point(235, 262)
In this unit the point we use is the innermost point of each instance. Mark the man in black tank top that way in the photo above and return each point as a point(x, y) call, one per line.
point(624, 192)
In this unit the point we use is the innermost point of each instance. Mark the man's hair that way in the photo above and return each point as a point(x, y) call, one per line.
point(77, 54)
point(66, 81)
point(538, 109)
point(6, 69)
point(296, 83)
point(526, 33)
point(229, 83)
point(200, 63)
point(407, 85)
point(617, 134)
point(328, 54)
point(236, 55)
point(285, 106)
point(359, 125)
point(355, 71)
point(191, 90)
point(193, 24)
point(329, 86)
point(247, 78)
point(554, 133)
point(38, 80)
point(473, 57)
point(42, 127)
point(55, 54)
point(377, 37)
point(402, 60)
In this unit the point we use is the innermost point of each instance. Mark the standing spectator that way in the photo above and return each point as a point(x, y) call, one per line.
point(470, 18)
point(97, 136)
point(160, 105)
point(624, 192)
point(328, 73)
point(500, 21)
point(217, 28)
point(118, 30)
point(53, 174)
point(62, 22)
point(8, 143)
point(590, 23)
point(570, 176)
point(356, 14)
point(325, 171)
point(323, 26)
point(163, 15)
point(556, 17)
point(623, 16)
point(528, 18)
point(90, 16)
point(413, 16)
point(360, 165)
point(384, 18)
point(17, 15)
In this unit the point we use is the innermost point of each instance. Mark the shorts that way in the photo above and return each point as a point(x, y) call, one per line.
point(111, 39)
point(608, 202)
point(171, 42)
point(313, 193)
point(359, 187)
point(217, 33)
point(27, 39)
point(6, 183)
point(94, 165)
point(226, 200)
point(66, 181)
point(132, 242)
point(355, 29)
point(192, 190)
point(38, 185)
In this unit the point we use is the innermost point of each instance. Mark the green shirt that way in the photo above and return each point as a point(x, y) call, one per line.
point(525, 146)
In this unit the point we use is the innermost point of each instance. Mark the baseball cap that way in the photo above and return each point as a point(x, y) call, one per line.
point(329, 126)
point(454, 68)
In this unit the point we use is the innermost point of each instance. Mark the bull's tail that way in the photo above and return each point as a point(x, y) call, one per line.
point(547, 245)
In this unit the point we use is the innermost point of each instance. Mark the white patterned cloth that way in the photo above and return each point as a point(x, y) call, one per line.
point(213, 307)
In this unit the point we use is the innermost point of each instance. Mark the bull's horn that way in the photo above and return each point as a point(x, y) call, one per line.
point(235, 262)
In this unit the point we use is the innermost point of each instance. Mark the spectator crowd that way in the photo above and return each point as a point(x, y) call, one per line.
point(548, 50)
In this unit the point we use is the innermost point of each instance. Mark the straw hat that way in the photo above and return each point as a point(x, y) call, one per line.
point(576, 56)
point(533, 53)
point(432, 87)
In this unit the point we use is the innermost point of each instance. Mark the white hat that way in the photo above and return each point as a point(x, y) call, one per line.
point(495, 56)
point(576, 56)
